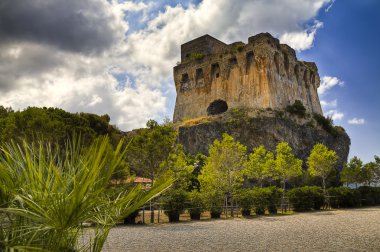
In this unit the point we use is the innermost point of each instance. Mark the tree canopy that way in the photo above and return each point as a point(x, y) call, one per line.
point(259, 164)
point(54, 125)
point(321, 162)
point(224, 166)
point(149, 147)
point(287, 165)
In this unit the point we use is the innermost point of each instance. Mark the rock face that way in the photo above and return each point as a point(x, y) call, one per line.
point(260, 74)
point(263, 130)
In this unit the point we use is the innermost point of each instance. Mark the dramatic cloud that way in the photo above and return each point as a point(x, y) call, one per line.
point(356, 121)
point(82, 26)
point(328, 82)
point(116, 57)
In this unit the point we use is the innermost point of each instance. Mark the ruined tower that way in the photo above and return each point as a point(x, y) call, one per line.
point(213, 77)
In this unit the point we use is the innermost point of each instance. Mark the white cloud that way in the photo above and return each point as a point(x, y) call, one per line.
point(43, 74)
point(356, 121)
point(330, 6)
point(328, 82)
point(301, 40)
point(335, 114)
point(329, 104)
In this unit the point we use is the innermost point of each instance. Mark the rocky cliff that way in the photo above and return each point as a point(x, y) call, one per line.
point(266, 128)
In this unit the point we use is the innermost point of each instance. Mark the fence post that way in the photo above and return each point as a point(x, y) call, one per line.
point(158, 215)
point(143, 218)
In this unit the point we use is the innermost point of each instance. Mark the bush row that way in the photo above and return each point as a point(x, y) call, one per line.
point(260, 200)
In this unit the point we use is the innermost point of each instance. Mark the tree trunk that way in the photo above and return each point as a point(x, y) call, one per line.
point(325, 194)
point(151, 205)
point(283, 195)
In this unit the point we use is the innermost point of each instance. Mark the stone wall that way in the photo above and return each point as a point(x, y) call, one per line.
point(260, 74)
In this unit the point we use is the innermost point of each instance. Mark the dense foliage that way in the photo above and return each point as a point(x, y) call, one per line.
point(54, 125)
point(149, 147)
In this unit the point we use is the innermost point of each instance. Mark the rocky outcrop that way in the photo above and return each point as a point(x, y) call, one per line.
point(264, 130)
point(260, 74)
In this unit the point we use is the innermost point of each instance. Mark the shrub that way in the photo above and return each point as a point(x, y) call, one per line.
point(196, 205)
point(197, 56)
point(306, 198)
point(370, 196)
point(245, 201)
point(215, 202)
point(327, 124)
point(174, 204)
point(261, 199)
point(275, 194)
point(239, 48)
point(344, 197)
point(279, 114)
point(297, 108)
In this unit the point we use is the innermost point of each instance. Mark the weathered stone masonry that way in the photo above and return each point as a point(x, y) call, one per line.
point(260, 74)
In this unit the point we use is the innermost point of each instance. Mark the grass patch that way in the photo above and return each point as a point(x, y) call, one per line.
point(195, 121)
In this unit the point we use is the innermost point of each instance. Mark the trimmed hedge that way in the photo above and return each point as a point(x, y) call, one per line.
point(306, 198)
point(344, 197)
point(260, 199)
point(370, 196)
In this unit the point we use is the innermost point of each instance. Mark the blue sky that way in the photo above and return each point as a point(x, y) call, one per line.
point(348, 47)
point(116, 56)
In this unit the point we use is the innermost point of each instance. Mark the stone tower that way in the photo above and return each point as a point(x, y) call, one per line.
point(213, 77)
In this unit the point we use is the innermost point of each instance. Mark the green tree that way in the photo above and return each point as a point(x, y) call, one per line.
point(149, 147)
point(321, 162)
point(198, 162)
point(377, 169)
point(176, 165)
point(223, 169)
point(259, 164)
point(54, 125)
point(286, 164)
point(351, 171)
point(368, 173)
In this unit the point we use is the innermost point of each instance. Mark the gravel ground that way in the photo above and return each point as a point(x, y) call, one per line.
point(340, 230)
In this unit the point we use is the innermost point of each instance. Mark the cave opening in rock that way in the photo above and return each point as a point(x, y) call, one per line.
point(217, 107)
